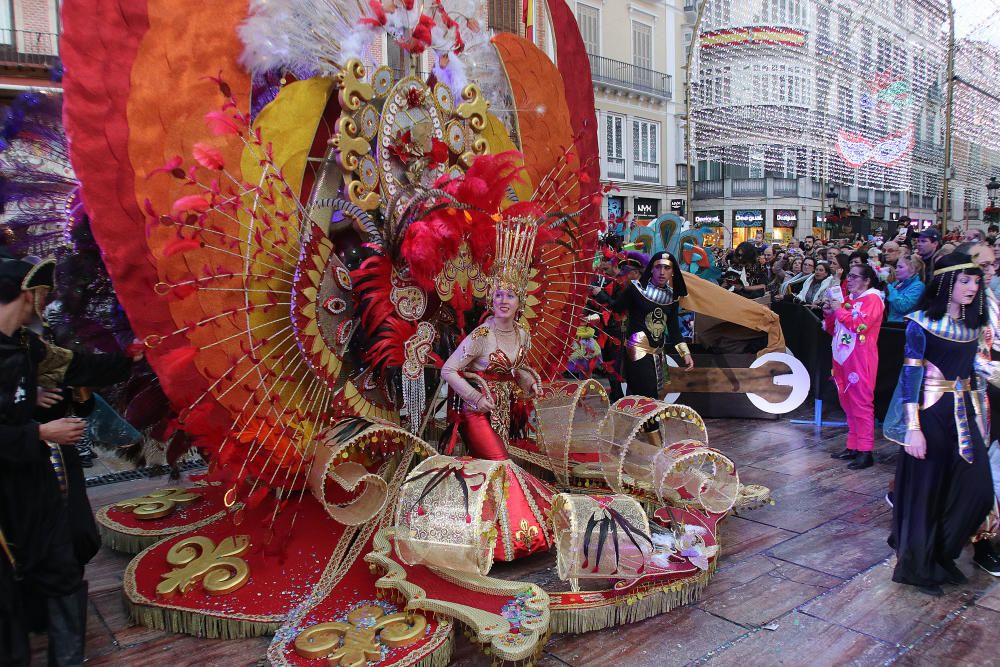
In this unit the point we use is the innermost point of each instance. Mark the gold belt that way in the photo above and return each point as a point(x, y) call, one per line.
point(935, 388)
point(639, 347)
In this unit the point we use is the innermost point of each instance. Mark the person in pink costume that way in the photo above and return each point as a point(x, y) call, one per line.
point(854, 325)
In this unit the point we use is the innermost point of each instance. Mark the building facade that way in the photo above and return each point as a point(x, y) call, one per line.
point(633, 63)
point(794, 101)
point(29, 45)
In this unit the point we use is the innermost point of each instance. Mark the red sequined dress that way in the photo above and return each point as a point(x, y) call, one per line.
point(481, 366)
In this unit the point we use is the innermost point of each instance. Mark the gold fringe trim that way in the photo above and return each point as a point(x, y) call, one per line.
point(441, 656)
point(129, 544)
point(128, 539)
point(196, 623)
point(629, 608)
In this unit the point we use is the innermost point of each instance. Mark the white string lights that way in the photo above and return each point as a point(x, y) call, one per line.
point(850, 93)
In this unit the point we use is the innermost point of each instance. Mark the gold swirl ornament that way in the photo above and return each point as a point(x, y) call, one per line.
point(354, 92)
point(219, 568)
point(349, 146)
point(358, 640)
point(474, 108)
point(158, 504)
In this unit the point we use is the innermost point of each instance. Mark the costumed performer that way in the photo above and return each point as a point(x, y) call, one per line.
point(651, 305)
point(985, 554)
point(855, 324)
point(943, 487)
point(616, 325)
point(41, 567)
point(487, 370)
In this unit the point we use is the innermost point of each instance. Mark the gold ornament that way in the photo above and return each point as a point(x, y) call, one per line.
point(463, 271)
point(354, 643)
point(158, 504)
point(353, 91)
point(656, 323)
point(474, 108)
point(198, 559)
point(350, 147)
point(527, 533)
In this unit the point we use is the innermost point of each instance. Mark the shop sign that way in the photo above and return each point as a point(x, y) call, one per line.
point(646, 208)
point(786, 218)
point(751, 217)
point(708, 219)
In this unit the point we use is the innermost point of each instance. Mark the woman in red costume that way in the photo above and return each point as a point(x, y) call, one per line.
point(486, 371)
point(854, 324)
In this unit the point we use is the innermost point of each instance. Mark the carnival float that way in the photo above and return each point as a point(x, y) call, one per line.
point(305, 207)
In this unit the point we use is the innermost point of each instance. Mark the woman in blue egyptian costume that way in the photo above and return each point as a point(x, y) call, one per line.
point(943, 488)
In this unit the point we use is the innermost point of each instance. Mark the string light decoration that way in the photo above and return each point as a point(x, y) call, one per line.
point(850, 93)
point(976, 113)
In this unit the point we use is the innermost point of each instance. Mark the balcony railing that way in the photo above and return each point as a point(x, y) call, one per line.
point(629, 77)
point(26, 48)
point(616, 168)
point(708, 189)
point(864, 195)
point(928, 203)
point(749, 187)
point(893, 199)
point(682, 174)
point(786, 187)
point(646, 172)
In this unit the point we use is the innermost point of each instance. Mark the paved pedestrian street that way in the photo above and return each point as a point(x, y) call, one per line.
point(806, 581)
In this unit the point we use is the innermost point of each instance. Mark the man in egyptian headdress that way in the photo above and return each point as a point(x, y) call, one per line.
point(651, 305)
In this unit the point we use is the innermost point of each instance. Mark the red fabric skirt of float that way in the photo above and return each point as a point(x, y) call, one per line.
point(522, 528)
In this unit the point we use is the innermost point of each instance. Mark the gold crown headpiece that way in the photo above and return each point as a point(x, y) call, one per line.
point(512, 262)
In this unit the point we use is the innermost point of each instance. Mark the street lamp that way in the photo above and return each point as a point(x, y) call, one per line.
point(991, 215)
point(831, 196)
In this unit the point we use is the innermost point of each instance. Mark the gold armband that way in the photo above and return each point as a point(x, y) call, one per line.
point(912, 412)
point(909, 361)
point(683, 350)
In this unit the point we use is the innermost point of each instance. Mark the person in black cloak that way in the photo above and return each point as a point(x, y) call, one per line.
point(943, 488)
point(651, 306)
point(42, 551)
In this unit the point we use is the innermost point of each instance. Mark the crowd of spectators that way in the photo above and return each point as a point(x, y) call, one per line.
point(805, 270)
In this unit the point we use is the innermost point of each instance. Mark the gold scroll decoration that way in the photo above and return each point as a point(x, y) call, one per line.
point(570, 415)
point(336, 461)
point(464, 272)
point(158, 504)
point(353, 91)
point(474, 108)
point(447, 513)
point(349, 141)
point(218, 567)
point(350, 147)
point(581, 526)
point(358, 640)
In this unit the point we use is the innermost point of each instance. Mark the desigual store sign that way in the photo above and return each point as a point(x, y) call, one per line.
point(708, 219)
point(752, 217)
point(786, 218)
